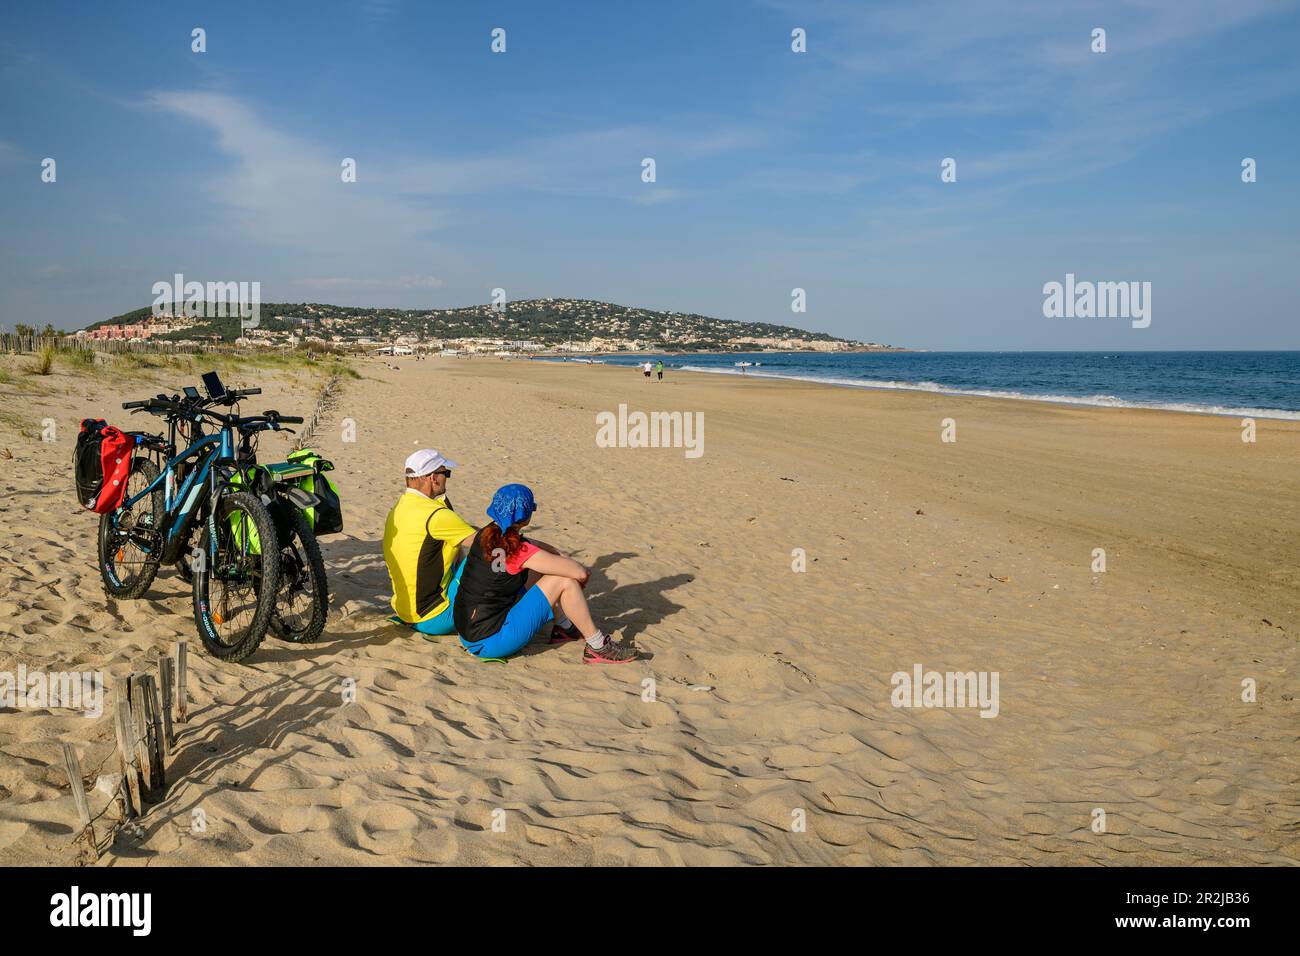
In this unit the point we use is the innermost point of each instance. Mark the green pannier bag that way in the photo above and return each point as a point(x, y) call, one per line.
point(304, 470)
point(326, 517)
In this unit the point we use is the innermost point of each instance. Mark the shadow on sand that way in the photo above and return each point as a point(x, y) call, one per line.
point(218, 736)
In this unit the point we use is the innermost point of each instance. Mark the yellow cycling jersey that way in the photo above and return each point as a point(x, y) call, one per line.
point(421, 539)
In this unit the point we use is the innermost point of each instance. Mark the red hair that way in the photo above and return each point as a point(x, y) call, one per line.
point(512, 541)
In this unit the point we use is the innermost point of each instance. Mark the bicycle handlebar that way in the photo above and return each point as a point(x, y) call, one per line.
point(154, 406)
point(195, 410)
point(273, 421)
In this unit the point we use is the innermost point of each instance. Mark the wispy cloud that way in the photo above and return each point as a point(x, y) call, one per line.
point(1062, 107)
point(380, 10)
point(1013, 91)
point(287, 190)
point(283, 189)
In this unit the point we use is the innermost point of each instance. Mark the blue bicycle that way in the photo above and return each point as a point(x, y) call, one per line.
point(206, 488)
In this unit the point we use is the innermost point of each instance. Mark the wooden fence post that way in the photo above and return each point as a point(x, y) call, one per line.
point(79, 797)
point(78, 786)
point(157, 746)
point(167, 683)
point(140, 724)
point(182, 686)
point(126, 751)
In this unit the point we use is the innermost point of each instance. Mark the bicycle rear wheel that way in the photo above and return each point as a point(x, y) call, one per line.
point(236, 581)
point(302, 601)
point(130, 540)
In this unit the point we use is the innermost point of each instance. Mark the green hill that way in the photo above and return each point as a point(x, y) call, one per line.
point(547, 322)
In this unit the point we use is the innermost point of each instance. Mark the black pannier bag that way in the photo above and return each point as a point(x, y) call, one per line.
point(326, 517)
point(87, 467)
point(101, 462)
point(329, 513)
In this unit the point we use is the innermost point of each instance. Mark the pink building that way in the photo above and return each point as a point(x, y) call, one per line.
point(119, 332)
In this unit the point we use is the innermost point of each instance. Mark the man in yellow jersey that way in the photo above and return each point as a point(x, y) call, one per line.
point(422, 541)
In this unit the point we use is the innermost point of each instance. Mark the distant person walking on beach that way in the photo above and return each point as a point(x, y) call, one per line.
point(646, 368)
point(659, 367)
point(422, 541)
point(511, 584)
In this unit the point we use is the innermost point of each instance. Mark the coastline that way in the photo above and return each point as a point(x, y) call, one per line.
point(1088, 401)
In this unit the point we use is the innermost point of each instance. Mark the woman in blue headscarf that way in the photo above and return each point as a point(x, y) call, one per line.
point(510, 585)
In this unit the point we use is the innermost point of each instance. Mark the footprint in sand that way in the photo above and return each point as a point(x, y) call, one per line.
point(385, 829)
point(291, 820)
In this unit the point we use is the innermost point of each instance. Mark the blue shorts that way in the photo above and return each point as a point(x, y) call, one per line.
point(529, 613)
point(443, 623)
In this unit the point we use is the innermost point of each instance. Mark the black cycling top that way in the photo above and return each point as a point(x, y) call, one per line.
point(485, 596)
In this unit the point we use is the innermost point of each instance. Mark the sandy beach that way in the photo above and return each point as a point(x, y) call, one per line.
point(771, 737)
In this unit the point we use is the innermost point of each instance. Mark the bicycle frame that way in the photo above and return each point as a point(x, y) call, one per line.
point(180, 503)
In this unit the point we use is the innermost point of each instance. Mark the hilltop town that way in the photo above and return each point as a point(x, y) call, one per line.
point(541, 325)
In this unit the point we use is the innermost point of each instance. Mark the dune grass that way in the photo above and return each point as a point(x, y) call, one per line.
point(239, 370)
point(295, 360)
point(45, 360)
point(22, 376)
point(175, 368)
point(77, 358)
point(24, 427)
point(146, 360)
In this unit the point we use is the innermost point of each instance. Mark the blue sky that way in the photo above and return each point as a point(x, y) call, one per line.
point(775, 170)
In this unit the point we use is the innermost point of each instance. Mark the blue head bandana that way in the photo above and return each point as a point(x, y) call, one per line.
point(510, 505)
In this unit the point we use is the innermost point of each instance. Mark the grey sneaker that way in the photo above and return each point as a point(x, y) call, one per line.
point(613, 652)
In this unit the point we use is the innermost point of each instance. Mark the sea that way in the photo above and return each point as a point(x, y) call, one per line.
point(1255, 384)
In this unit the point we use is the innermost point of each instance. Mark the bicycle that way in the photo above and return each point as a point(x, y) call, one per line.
point(234, 579)
point(302, 601)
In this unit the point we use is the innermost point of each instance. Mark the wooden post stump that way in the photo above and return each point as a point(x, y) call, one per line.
point(182, 686)
point(135, 691)
point(123, 725)
point(157, 746)
point(144, 719)
point(78, 784)
point(73, 766)
point(167, 684)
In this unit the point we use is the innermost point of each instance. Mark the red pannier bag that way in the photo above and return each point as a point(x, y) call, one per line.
point(101, 463)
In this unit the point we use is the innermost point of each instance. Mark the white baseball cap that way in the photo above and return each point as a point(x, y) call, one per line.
point(425, 462)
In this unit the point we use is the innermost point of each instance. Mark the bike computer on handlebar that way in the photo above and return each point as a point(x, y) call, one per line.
point(212, 382)
point(190, 391)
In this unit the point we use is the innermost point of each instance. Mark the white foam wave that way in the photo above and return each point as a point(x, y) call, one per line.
point(1098, 401)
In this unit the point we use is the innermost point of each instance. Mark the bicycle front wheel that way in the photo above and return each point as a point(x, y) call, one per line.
point(236, 576)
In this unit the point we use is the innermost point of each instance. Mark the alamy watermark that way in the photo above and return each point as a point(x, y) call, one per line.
point(1098, 300)
point(196, 300)
point(45, 690)
point(651, 430)
point(922, 688)
point(130, 910)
